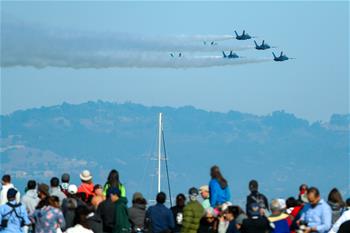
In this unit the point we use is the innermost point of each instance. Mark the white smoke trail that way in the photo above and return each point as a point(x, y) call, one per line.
point(28, 45)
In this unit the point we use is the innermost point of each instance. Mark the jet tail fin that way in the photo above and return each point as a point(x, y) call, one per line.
point(263, 42)
point(243, 32)
point(256, 44)
point(281, 53)
point(274, 56)
point(236, 33)
point(223, 53)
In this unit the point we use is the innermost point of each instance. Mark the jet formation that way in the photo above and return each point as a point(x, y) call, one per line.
point(243, 36)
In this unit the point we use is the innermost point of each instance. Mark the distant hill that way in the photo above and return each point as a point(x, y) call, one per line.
point(280, 150)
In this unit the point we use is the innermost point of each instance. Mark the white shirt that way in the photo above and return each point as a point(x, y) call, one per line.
point(3, 195)
point(343, 218)
point(78, 229)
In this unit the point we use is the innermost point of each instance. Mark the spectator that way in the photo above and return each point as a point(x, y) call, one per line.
point(219, 192)
point(193, 212)
point(302, 197)
point(98, 196)
point(178, 211)
point(70, 204)
point(65, 183)
point(6, 185)
point(113, 181)
point(317, 213)
point(94, 221)
point(343, 218)
point(256, 197)
point(81, 221)
point(30, 199)
point(278, 218)
point(230, 217)
point(345, 227)
point(122, 223)
point(239, 216)
point(204, 191)
point(55, 189)
point(47, 217)
point(338, 206)
point(106, 211)
point(13, 215)
point(208, 223)
point(294, 209)
point(255, 223)
point(137, 213)
point(87, 186)
point(160, 217)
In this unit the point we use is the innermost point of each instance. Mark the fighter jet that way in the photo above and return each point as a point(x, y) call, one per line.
point(263, 46)
point(244, 36)
point(173, 55)
point(282, 57)
point(230, 56)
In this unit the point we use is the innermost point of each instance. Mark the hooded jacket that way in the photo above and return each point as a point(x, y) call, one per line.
point(137, 214)
point(30, 200)
point(193, 212)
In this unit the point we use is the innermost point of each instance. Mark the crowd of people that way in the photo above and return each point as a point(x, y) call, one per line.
point(95, 208)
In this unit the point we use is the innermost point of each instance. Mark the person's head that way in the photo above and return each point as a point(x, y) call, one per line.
point(54, 182)
point(161, 198)
point(137, 198)
point(193, 194)
point(231, 212)
point(72, 190)
point(113, 178)
point(204, 191)
point(291, 202)
point(335, 197)
point(113, 193)
point(313, 196)
point(43, 191)
point(253, 186)
point(11, 194)
point(81, 213)
point(348, 202)
point(54, 201)
point(180, 200)
point(86, 177)
point(215, 173)
point(31, 185)
point(275, 206)
point(6, 179)
point(303, 189)
point(65, 178)
point(98, 190)
point(210, 215)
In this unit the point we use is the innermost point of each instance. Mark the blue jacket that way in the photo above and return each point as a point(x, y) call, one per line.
point(14, 216)
point(161, 218)
point(218, 195)
point(280, 223)
point(319, 216)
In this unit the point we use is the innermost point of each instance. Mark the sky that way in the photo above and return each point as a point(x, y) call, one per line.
point(313, 86)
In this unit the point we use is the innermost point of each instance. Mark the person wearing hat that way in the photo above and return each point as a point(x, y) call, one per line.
point(65, 178)
point(204, 191)
point(122, 223)
point(106, 210)
point(6, 185)
point(13, 215)
point(255, 222)
point(137, 213)
point(193, 212)
point(278, 218)
point(87, 186)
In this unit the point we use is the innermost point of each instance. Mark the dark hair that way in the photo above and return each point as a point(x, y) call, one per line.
point(216, 174)
point(6, 178)
point(43, 202)
point(161, 197)
point(54, 201)
point(180, 196)
point(253, 185)
point(348, 202)
point(31, 184)
point(113, 179)
point(141, 201)
point(97, 186)
point(335, 197)
point(303, 186)
point(54, 182)
point(314, 190)
point(81, 213)
point(291, 202)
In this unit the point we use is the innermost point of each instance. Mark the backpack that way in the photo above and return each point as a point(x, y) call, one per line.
point(4, 222)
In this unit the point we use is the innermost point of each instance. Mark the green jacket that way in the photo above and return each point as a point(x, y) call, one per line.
point(193, 212)
point(122, 224)
point(121, 188)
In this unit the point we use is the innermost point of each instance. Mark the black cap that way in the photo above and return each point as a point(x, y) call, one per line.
point(11, 193)
point(193, 191)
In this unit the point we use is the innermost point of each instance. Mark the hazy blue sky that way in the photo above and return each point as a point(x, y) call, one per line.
point(313, 86)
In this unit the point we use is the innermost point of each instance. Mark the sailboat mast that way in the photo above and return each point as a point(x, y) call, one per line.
point(159, 149)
